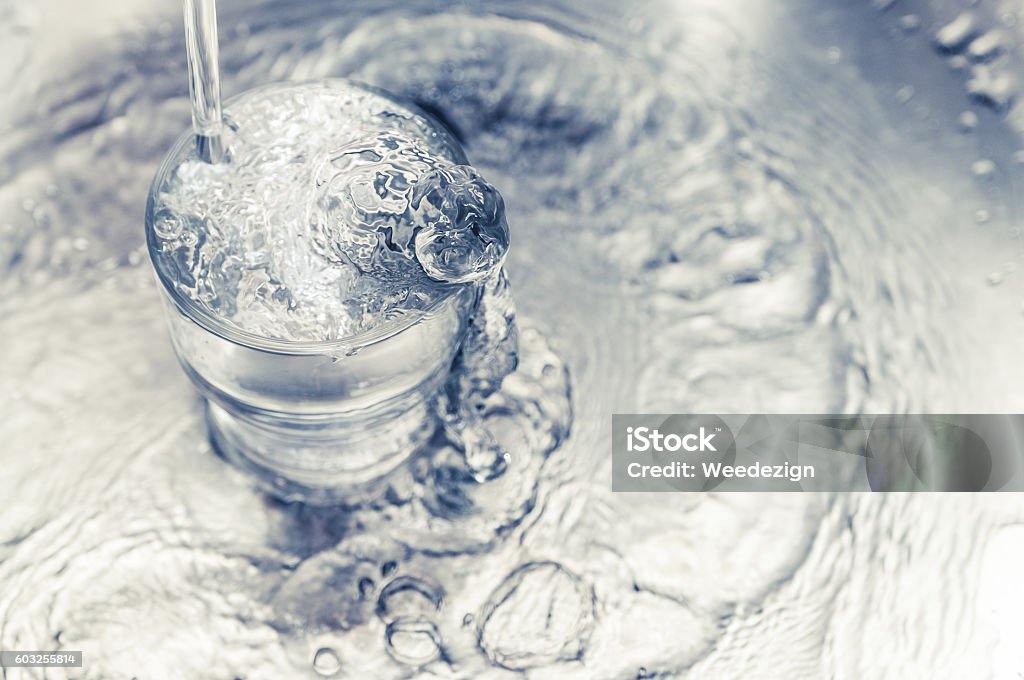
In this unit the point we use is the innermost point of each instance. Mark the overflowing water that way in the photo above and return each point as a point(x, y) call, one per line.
point(334, 210)
point(775, 206)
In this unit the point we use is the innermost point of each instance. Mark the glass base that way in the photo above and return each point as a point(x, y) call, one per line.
point(338, 461)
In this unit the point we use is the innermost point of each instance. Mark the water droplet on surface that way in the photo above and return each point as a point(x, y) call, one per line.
point(983, 169)
point(967, 122)
point(955, 35)
point(995, 278)
point(981, 216)
point(910, 23)
point(326, 662)
point(905, 94)
point(959, 62)
point(833, 55)
point(995, 89)
point(988, 46)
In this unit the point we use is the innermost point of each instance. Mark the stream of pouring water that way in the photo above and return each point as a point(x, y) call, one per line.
point(204, 77)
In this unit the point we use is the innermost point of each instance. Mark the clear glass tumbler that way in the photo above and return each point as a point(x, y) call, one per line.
point(319, 422)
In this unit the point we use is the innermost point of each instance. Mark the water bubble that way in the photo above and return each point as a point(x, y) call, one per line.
point(995, 278)
point(326, 662)
point(905, 94)
point(967, 122)
point(983, 169)
point(167, 225)
point(413, 641)
point(833, 54)
point(407, 595)
point(981, 216)
point(189, 237)
point(540, 614)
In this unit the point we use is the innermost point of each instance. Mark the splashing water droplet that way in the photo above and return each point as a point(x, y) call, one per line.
point(465, 237)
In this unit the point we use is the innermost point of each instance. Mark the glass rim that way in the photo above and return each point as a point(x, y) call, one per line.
point(211, 322)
